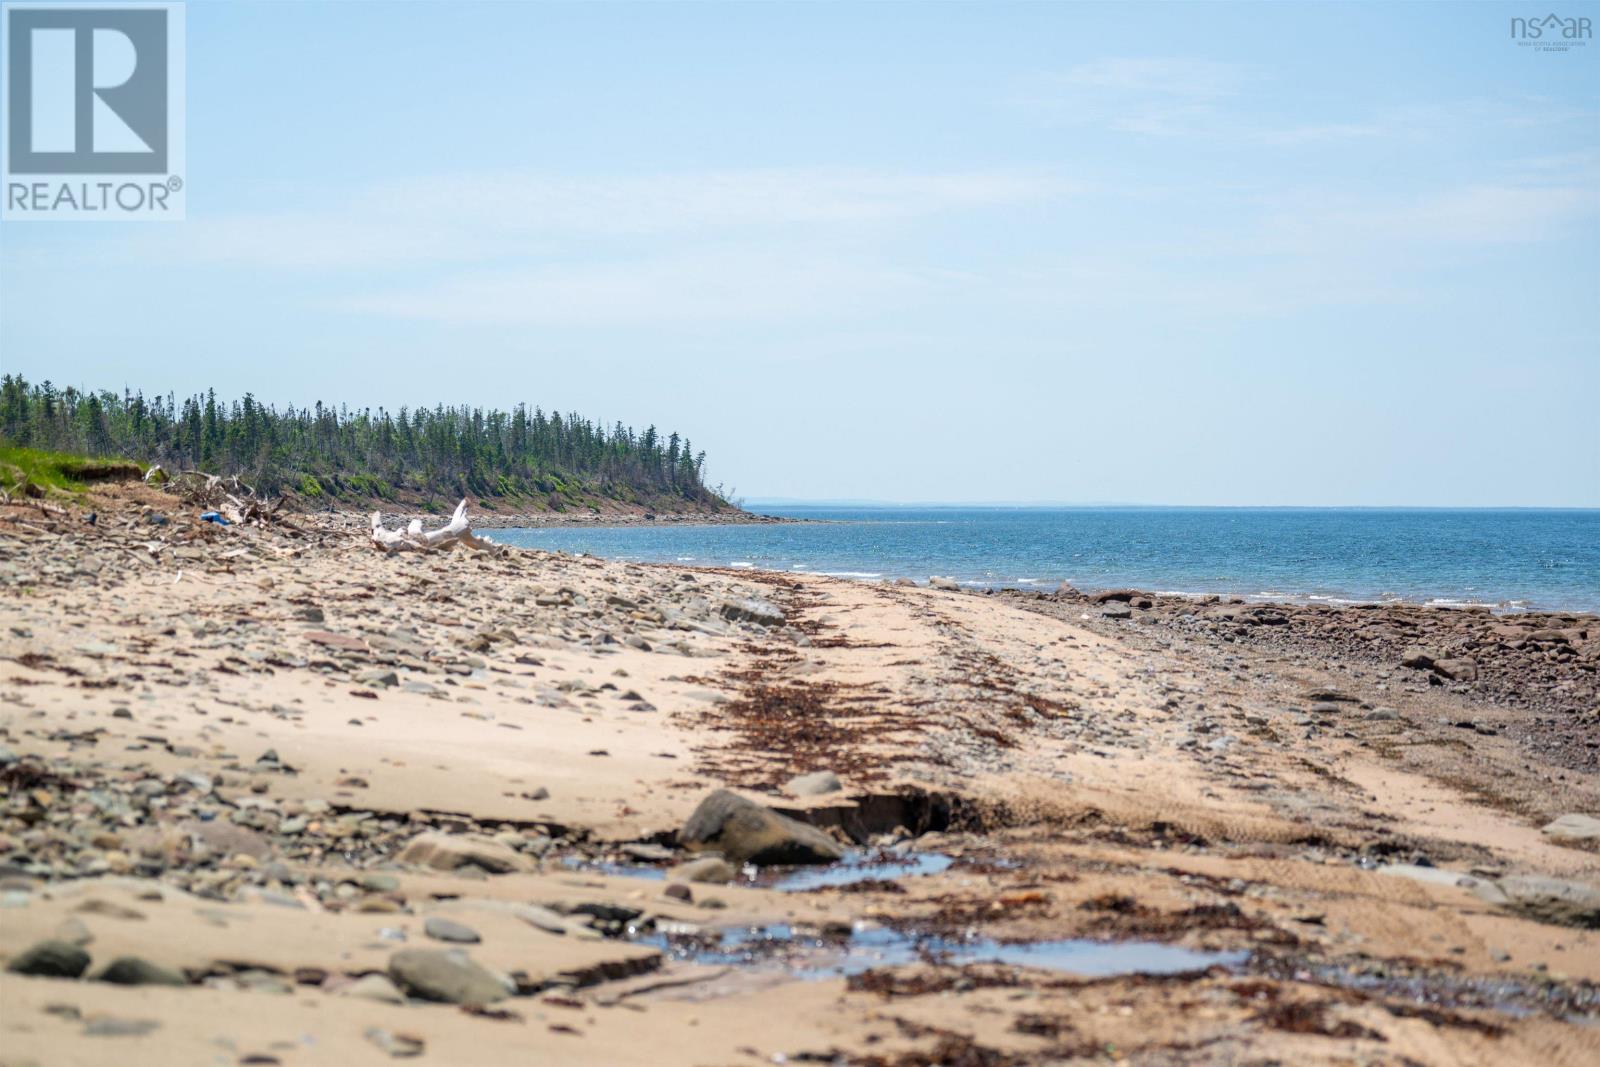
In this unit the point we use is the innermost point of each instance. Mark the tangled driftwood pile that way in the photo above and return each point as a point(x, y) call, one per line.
point(228, 497)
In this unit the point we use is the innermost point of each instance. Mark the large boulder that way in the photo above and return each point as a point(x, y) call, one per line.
point(446, 852)
point(746, 832)
point(447, 975)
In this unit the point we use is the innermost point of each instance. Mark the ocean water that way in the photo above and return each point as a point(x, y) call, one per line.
point(1521, 559)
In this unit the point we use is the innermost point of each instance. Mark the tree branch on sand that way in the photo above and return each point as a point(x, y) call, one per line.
point(412, 539)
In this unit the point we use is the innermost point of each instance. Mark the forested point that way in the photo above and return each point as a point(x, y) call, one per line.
point(323, 453)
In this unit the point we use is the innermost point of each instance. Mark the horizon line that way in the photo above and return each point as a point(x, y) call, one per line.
point(832, 502)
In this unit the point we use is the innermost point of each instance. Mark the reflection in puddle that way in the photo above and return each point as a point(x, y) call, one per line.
point(809, 955)
point(617, 870)
point(854, 869)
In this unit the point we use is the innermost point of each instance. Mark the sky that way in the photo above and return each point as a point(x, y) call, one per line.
point(1212, 253)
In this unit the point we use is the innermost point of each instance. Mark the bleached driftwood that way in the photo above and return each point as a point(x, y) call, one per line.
point(412, 539)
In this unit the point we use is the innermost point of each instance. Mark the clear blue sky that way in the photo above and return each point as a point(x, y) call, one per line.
point(1199, 253)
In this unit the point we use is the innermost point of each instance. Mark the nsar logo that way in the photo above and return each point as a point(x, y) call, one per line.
point(1552, 33)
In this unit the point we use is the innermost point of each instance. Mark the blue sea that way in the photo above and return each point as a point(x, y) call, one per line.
point(1511, 560)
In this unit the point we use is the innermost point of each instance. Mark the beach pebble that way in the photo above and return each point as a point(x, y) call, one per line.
point(51, 959)
point(447, 975)
point(449, 852)
point(108, 1026)
point(442, 929)
point(813, 785)
point(1573, 828)
point(374, 987)
point(398, 1046)
point(136, 970)
point(751, 609)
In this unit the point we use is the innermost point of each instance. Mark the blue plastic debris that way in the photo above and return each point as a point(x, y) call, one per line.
point(213, 516)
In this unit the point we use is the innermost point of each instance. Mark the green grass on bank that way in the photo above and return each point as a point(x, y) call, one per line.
point(28, 471)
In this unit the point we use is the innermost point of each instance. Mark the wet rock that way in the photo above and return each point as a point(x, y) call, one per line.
point(710, 870)
point(751, 609)
point(813, 785)
point(647, 851)
point(447, 852)
point(135, 970)
point(745, 832)
point(51, 959)
point(1574, 828)
point(1549, 900)
point(447, 975)
point(442, 929)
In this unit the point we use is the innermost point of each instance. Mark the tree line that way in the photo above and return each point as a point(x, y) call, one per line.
point(326, 451)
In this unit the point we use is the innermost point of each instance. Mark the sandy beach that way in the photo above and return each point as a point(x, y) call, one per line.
point(272, 796)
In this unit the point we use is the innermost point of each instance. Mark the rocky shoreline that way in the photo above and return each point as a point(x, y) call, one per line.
point(273, 797)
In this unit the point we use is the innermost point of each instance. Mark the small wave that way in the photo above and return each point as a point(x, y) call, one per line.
point(851, 574)
point(685, 559)
point(742, 565)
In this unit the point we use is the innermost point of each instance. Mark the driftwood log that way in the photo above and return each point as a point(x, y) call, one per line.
point(458, 531)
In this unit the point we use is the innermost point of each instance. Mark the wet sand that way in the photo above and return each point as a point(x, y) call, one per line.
point(259, 767)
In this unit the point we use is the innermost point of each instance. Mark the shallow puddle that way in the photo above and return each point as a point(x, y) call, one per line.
point(808, 955)
point(855, 869)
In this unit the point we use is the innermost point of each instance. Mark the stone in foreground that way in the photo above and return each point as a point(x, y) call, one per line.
point(708, 870)
point(447, 975)
point(751, 609)
point(814, 785)
point(1548, 900)
point(51, 959)
point(746, 832)
point(442, 929)
point(1574, 829)
point(446, 852)
point(135, 970)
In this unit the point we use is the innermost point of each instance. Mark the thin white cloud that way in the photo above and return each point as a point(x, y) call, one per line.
point(473, 218)
point(736, 284)
point(1194, 98)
